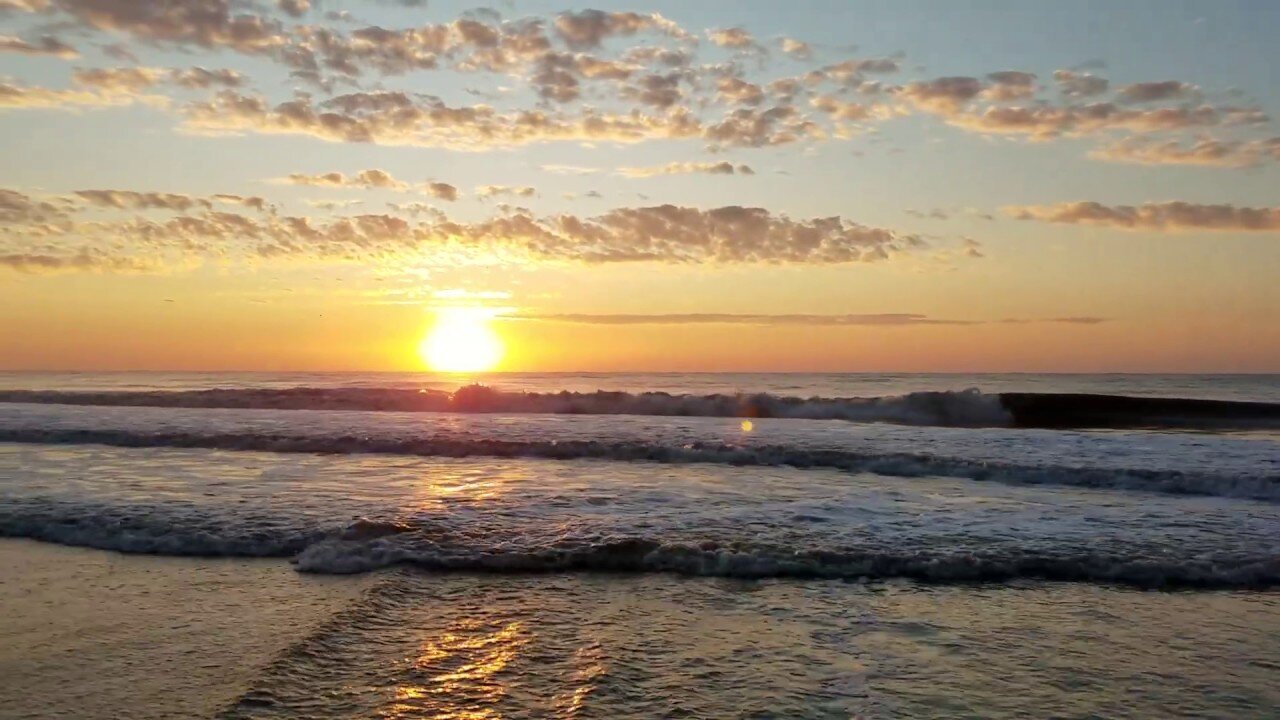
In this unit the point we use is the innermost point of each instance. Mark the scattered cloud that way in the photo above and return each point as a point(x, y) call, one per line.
point(367, 179)
point(1043, 122)
point(796, 48)
point(442, 191)
point(197, 229)
point(1080, 84)
point(1156, 91)
point(882, 319)
point(20, 97)
point(394, 118)
point(1163, 217)
point(734, 39)
point(680, 168)
point(943, 96)
point(871, 320)
point(1009, 85)
point(1205, 151)
point(569, 169)
point(201, 23)
point(489, 191)
point(934, 214)
point(589, 28)
point(46, 45)
point(201, 78)
point(84, 260)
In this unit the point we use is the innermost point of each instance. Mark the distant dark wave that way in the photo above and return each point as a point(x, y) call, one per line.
point(1265, 487)
point(967, 408)
point(1053, 410)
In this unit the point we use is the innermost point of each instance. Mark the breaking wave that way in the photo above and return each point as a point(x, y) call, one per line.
point(968, 408)
point(367, 545)
point(1264, 487)
point(964, 408)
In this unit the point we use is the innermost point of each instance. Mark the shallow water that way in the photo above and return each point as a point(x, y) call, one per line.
point(642, 647)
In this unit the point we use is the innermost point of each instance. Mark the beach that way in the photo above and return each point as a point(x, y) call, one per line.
point(104, 635)
point(177, 553)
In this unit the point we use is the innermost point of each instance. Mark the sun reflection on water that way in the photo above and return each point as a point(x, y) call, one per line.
point(461, 672)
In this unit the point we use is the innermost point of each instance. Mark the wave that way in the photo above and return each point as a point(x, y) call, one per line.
point(966, 408)
point(961, 409)
point(368, 545)
point(1265, 487)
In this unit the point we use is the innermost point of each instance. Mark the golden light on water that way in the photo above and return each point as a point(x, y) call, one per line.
point(461, 341)
point(748, 426)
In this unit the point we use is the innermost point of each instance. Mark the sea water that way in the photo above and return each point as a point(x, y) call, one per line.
point(695, 545)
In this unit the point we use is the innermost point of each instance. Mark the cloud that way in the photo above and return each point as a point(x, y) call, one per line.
point(197, 230)
point(1078, 84)
point(661, 91)
point(488, 191)
point(23, 5)
point(130, 200)
point(589, 28)
point(294, 8)
point(943, 96)
point(735, 39)
point(1204, 151)
point(1077, 320)
point(85, 260)
point(751, 127)
point(18, 97)
point(442, 191)
point(796, 49)
point(118, 80)
point(367, 179)
point(20, 209)
point(344, 204)
point(594, 80)
point(569, 169)
point(872, 320)
point(48, 45)
point(1010, 85)
point(204, 23)
point(119, 51)
point(200, 78)
point(394, 118)
point(1047, 122)
point(1164, 217)
point(133, 200)
point(1156, 91)
point(934, 214)
point(848, 111)
point(678, 168)
point(883, 319)
point(739, 92)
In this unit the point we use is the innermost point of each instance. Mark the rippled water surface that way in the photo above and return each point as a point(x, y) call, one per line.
point(644, 647)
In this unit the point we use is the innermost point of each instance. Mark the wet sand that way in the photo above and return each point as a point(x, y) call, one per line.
point(90, 634)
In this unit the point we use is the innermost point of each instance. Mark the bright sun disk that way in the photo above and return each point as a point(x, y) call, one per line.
point(461, 341)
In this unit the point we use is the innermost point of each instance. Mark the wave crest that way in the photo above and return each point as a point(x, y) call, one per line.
point(366, 545)
point(1264, 487)
point(966, 408)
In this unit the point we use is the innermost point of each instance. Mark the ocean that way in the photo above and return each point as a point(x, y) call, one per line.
point(641, 545)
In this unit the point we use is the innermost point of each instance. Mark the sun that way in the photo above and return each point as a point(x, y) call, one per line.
point(461, 341)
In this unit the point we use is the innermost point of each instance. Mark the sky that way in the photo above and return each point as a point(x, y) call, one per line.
point(662, 186)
